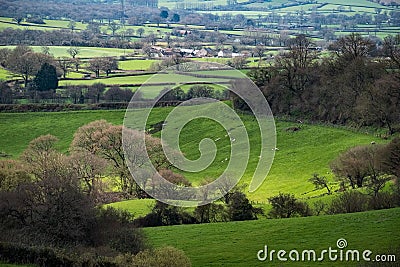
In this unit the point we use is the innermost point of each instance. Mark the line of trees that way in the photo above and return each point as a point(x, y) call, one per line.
point(348, 87)
point(51, 200)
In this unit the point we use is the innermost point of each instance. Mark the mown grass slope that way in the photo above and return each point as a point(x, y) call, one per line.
point(237, 243)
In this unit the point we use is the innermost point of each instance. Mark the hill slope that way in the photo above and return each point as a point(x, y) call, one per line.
point(237, 243)
point(300, 154)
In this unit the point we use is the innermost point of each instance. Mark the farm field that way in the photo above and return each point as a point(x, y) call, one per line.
point(300, 154)
point(49, 24)
point(137, 207)
point(149, 91)
point(4, 74)
point(137, 79)
point(237, 243)
point(84, 52)
point(136, 64)
point(351, 8)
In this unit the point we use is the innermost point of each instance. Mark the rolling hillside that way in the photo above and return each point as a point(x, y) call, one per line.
point(237, 243)
point(300, 154)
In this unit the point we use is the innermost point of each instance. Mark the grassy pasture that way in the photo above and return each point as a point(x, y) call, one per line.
point(112, 80)
point(300, 153)
point(84, 52)
point(137, 207)
point(5, 74)
point(237, 243)
point(357, 6)
point(148, 91)
point(50, 24)
point(137, 64)
point(172, 4)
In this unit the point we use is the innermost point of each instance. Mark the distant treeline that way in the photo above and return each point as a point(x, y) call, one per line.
point(59, 38)
point(348, 87)
point(76, 10)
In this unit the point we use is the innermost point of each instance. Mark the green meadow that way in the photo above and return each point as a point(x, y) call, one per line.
point(300, 153)
point(5, 74)
point(49, 24)
point(137, 207)
point(84, 52)
point(237, 243)
point(137, 64)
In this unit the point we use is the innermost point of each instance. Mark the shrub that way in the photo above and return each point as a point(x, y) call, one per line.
point(240, 208)
point(162, 257)
point(12, 174)
point(128, 240)
point(164, 214)
point(286, 206)
point(115, 228)
point(382, 200)
point(40, 256)
point(349, 202)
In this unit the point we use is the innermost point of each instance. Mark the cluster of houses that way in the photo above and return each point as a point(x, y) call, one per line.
point(162, 52)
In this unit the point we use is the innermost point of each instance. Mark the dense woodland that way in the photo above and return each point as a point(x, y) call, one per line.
point(350, 86)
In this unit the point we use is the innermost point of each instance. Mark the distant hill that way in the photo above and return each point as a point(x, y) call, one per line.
point(387, 2)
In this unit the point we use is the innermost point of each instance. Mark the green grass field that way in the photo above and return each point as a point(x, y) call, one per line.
point(84, 52)
point(237, 243)
point(300, 153)
point(5, 74)
point(49, 25)
point(137, 207)
point(139, 79)
point(136, 64)
point(150, 91)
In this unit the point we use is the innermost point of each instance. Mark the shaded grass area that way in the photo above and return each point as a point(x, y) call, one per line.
point(237, 243)
point(14, 265)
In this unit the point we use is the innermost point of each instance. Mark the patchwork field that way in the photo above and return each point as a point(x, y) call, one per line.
point(84, 52)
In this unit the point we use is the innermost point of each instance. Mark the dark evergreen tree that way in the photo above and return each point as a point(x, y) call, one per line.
point(164, 14)
point(6, 94)
point(46, 78)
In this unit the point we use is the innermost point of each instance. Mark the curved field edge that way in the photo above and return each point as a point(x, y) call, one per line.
point(300, 154)
point(237, 243)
